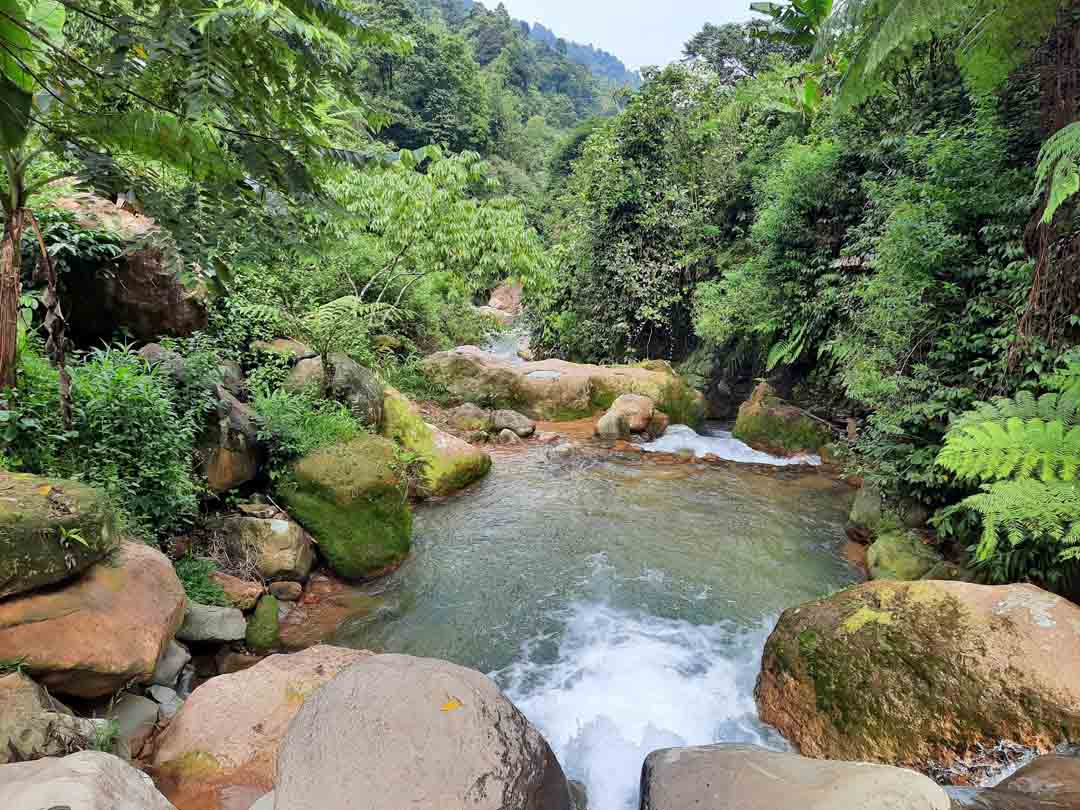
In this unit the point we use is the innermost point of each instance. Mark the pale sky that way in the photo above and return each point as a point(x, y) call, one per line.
point(639, 32)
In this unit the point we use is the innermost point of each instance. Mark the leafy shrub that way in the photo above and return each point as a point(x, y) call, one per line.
point(196, 575)
point(126, 437)
point(1025, 452)
point(295, 424)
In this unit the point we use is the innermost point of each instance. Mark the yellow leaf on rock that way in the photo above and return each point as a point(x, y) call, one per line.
point(452, 705)
point(44, 489)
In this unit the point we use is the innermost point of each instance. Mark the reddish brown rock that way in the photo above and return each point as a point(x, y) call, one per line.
point(147, 291)
point(286, 591)
point(100, 632)
point(507, 298)
point(225, 739)
point(241, 592)
point(326, 602)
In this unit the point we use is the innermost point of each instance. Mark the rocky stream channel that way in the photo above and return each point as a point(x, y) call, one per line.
point(602, 608)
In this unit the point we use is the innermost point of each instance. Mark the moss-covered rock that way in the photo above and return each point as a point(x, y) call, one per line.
point(767, 424)
point(450, 464)
point(263, 631)
point(867, 514)
point(351, 498)
point(916, 673)
point(50, 530)
point(901, 555)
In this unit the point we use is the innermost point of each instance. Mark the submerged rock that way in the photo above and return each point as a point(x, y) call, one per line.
point(353, 386)
point(50, 530)
point(351, 497)
point(917, 673)
point(901, 555)
point(102, 631)
point(324, 605)
point(89, 780)
point(450, 463)
point(478, 751)
point(743, 777)
point(767, 424)
point(226, 737)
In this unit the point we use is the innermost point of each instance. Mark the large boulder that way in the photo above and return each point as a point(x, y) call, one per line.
point(629, 413)
point(918, 673)
point(743, 777)
point(352, 499)
point(560, 391)
point(226, 737)
point(769, 425)
point(50, 530)
point(450, 464)
point(901, 555)
point(280, 548)
point(100, 632)
point(352, 385)
point(33, 725)
point(376, 721)
point(146, 291)
point(229, 445)
point(89, 780)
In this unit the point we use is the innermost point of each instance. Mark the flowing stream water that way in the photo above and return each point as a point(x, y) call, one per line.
point(622, 605)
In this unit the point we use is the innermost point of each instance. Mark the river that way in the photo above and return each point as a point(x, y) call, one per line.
point(622, 604)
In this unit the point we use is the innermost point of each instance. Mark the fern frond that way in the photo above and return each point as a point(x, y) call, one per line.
point(1015, 448)
point(1028, 511)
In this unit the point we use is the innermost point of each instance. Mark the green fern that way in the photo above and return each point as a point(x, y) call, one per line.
point(1025, 451)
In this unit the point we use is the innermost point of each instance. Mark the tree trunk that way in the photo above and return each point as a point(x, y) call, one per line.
point(10, 269)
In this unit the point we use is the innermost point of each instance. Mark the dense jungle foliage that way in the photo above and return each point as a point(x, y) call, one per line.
point(869, 205)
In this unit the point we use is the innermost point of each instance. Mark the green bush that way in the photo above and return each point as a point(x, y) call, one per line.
point(295, 424)
point(126, 436)
point(196, 575)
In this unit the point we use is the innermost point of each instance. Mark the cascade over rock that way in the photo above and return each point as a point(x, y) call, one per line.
point(916, 673)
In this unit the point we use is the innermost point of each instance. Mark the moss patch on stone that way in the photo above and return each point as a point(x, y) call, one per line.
point(50, 530)
point(447, 469)
point(263, 631)
point(890, 672)
point(901, 555)
point(767, 424)
point(352, 499)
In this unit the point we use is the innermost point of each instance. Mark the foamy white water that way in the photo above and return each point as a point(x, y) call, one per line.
point(722, 444)
point(625, 684)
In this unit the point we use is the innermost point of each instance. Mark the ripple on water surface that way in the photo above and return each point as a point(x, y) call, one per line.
point(622, 605)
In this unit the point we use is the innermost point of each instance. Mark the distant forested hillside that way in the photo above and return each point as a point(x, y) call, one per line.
point(600, 63)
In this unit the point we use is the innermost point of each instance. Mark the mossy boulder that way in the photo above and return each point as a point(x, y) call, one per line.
point(50, 531)
point(263, 630)
point(769, 425)
point(901, 555)
point(867, 514)
point(450, 464)
point(917, 673)
point(351, 498)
